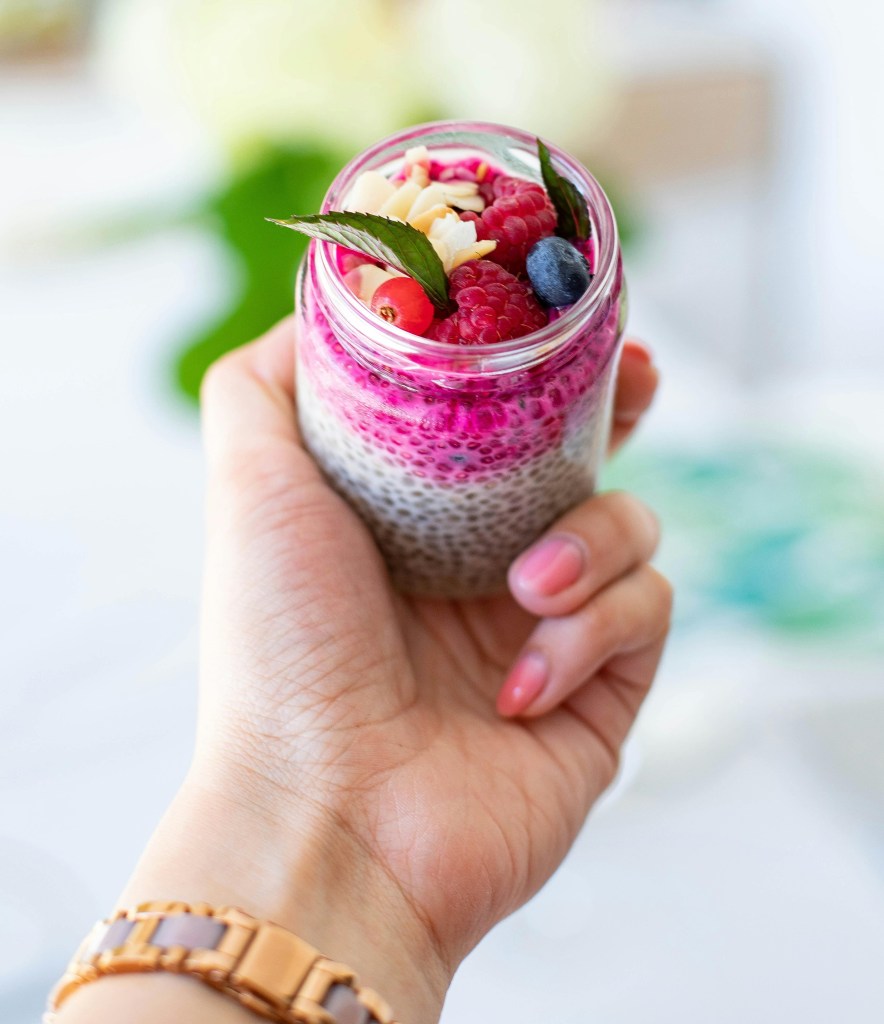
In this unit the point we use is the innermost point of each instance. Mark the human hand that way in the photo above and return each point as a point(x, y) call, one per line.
point(370, 768)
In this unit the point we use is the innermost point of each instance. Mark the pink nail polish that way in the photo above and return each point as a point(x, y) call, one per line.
point(639, 350)
point(550, 567)
point(524, 684)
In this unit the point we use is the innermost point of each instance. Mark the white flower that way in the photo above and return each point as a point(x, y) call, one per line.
point(348, 72)
point(333, 71)
point(534, 65)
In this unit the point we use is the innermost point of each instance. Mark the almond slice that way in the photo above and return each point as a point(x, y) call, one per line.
point(460, 188)
point(401, 201)
point(429, 197)
point(473, 252)
point(417, 155)
point(419, 175)
point(424, 221)
point(417, 165)
point(463, 194)
point(369, 193)
point(475, 203)
point(441, 251)
point(455, 241)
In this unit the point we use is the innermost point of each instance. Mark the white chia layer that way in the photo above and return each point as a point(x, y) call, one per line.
point(456, 538)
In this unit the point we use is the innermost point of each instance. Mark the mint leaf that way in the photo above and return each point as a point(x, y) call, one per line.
point(570, 204)
point(390, 241)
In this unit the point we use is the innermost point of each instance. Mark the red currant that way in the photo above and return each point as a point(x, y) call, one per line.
point(402, 302)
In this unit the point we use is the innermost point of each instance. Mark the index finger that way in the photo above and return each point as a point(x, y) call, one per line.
point(636, 385)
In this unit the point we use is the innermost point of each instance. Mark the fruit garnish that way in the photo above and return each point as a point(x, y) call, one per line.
point(456, 242)
point(520, 214)
point(569, 202)
point(389, 241)
point(402, 302)
point(558, 273)
point(493, 305)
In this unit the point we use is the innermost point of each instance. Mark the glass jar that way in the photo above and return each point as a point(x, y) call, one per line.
point(458, 457)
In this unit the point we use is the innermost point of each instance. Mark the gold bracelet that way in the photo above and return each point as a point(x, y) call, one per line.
point(260, 964)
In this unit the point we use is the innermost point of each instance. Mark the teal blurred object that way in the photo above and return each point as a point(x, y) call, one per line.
point(281, 183)
point(790, 539)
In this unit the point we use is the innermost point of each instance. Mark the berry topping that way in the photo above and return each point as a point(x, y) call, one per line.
point(519, 215)
point(402, 302)
point(493, 305)
point(558, 273)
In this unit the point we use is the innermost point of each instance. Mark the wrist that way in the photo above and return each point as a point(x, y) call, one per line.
point(295, 864)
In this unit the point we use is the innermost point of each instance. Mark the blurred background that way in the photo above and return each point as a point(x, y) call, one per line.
point(736, 871)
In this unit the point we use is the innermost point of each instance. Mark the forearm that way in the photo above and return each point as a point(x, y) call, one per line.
point(313, 880)
point(151, 999)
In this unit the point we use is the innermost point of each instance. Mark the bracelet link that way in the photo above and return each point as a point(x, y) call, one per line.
point(263, 966)
point(256, 1004)
point(274, 965)
point(324, 975)
point(379, 1008)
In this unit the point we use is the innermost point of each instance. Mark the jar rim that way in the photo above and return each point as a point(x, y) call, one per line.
point(493, 138)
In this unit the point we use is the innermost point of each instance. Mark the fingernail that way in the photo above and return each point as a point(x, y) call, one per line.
point(639, 350)
point(523, 685)
point(550, 567)
point(627, 419)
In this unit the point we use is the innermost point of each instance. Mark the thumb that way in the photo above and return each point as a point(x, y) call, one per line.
point(264, 489)
point(248, 403)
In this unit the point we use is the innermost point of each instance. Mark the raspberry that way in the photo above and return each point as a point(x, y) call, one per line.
point(492, 305)
point(446, 330)
point(519, 215)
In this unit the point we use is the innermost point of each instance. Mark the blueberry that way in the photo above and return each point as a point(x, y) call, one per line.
point(559, 274)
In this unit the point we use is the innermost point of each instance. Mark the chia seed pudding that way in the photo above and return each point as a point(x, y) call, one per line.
point(459, 445)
